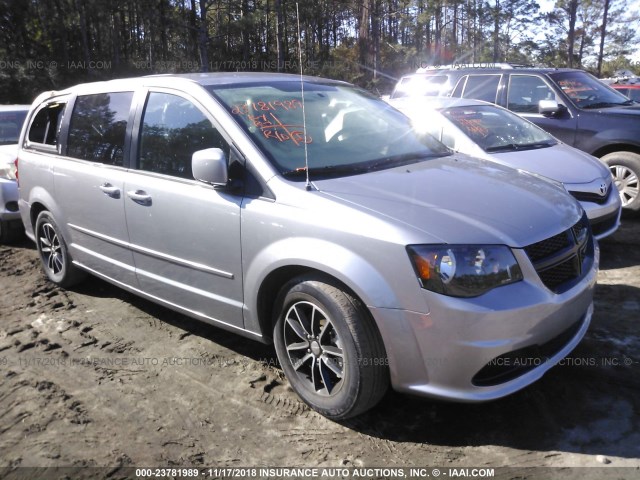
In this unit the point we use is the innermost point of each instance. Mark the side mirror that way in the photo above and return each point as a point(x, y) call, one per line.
point(548, 107)
point(210, 166)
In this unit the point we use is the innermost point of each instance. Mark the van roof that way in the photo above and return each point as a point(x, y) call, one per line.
point(205, 79)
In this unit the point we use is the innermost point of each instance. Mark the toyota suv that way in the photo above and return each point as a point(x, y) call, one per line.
point(572, 105)
point(305, 212)
point(11, 120)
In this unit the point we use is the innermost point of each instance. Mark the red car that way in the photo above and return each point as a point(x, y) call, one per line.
point(631, 90)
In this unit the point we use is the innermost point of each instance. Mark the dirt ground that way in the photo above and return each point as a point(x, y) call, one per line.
point(98, 377)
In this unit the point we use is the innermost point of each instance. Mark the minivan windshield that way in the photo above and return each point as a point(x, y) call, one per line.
point(587, 92)
point(345, 130)
point(497, 130)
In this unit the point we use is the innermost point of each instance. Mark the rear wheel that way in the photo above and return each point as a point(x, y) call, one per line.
point(625, 168)
point(329, 348)
point(54, 254)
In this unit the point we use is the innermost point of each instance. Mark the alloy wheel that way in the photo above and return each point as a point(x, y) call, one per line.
point(314, 348)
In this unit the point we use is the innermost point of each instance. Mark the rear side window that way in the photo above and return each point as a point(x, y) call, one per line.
point(45, 127)
point(482, 87)
point(173, 128)
point(98, 127)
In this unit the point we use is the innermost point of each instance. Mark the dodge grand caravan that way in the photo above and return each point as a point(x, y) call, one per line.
point(305, 212)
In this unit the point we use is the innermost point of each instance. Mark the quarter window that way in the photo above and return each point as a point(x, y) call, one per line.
point(173, 128)
point(98, 127)
point(45, 127)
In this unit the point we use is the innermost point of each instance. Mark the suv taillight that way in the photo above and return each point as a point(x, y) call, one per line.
point(15, 162)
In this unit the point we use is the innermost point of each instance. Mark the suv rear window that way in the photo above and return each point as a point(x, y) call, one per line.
point(98, 127)
point(482, 87)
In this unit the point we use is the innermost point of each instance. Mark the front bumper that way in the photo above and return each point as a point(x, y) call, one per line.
point(465, 349)
point(604, 217)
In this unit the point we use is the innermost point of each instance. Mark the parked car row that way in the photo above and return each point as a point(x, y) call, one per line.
point(485, 130)
point(625, 82)
point(572, 105)
point(306, 213)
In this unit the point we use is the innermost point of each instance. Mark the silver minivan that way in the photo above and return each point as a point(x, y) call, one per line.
point(305, 212)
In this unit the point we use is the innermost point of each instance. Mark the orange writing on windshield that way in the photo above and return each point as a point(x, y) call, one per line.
point(473, 127)
point(261, 106)
point(272, 128)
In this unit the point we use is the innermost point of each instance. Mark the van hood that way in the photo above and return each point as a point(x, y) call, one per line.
point(559, 162)
point(460, 200)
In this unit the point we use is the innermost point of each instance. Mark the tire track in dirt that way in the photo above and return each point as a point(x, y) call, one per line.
point(216, 399)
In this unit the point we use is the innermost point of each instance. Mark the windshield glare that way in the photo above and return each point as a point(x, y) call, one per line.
point(421, 86)
point(347, 130)
point(586, 91)
point(494, 128)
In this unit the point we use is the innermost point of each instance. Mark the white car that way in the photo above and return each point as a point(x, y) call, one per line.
point(11, 120)
point(491, 132)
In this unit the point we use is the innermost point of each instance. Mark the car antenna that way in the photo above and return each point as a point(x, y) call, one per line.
point(304, 117)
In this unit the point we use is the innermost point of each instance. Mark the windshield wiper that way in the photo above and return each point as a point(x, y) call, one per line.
point(510, 147)
point(507, 147)
point(338, 170)
point(396, 161)
point(607, 104)
point(323, 171)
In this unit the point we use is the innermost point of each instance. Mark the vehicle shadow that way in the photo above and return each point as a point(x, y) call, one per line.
point(622, 249)
point(589, 403)
point(248, 347)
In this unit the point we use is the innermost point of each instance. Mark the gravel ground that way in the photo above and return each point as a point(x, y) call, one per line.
point(96, 377)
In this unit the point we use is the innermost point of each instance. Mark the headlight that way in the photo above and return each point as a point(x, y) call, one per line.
point(8, 171)
point(464, 270)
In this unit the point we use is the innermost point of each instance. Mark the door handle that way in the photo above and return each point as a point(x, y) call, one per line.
point(139, 196)
point(110, 190)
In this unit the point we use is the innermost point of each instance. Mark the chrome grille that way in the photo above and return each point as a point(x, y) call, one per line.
point(593, 197)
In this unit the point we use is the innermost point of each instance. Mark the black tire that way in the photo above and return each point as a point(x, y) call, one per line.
point(625, 168)
point(329, 347)
point(54, 254)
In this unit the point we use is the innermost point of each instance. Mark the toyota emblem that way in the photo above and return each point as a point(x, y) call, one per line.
point(603, 189)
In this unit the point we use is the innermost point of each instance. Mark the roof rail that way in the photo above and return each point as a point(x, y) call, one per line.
point(476, 65)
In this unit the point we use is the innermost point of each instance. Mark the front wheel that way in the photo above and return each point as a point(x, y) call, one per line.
point(625, 168)
point(54, 254)
point(329, 348)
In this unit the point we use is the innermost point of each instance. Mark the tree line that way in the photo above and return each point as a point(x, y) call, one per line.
point(51, 44)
